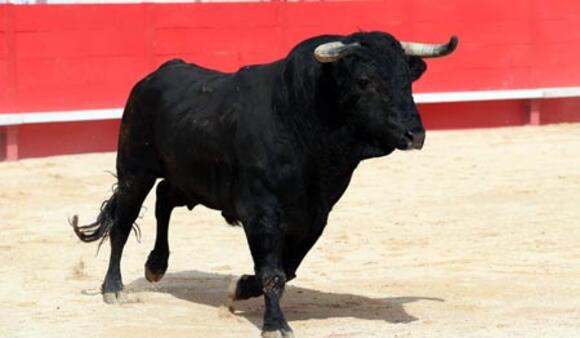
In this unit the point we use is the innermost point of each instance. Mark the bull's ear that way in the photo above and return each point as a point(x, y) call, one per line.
point(417, 66)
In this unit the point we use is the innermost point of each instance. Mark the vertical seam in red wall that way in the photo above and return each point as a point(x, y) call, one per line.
point(282, 25)
point(3, 79)
point(149, 14)
point(409, 14)
point(10, 48)
point(533, 18)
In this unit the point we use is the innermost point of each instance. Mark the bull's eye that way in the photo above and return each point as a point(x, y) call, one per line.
point(363, 83)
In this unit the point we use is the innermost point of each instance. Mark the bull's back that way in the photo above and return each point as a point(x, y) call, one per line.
point(178, 123)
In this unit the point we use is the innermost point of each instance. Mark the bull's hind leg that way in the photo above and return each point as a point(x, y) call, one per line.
point(245, 287)
point(248, 286)
point(131, 192)
point(167, 199)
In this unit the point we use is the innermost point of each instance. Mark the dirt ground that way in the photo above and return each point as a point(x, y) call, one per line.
point(477, 235)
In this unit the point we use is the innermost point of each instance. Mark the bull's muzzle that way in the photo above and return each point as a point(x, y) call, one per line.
point(412, 139)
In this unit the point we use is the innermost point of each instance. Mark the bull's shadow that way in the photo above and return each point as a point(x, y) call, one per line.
point(298, 303)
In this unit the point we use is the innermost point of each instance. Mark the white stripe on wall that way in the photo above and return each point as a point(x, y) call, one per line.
point(12, 119)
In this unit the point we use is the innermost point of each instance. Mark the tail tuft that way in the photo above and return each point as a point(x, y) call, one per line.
point(101, 228)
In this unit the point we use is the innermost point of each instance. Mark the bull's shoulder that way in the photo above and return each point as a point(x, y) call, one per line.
point(177, 83)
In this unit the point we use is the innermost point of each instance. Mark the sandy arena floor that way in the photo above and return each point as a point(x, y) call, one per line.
point(477, 235)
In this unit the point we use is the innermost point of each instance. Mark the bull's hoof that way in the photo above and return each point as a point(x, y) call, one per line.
point(112, 290)
point(232, 292)
point(284, 331)
point(153, 276)
point(117, 297)
point(155, 266)
point(278, 334)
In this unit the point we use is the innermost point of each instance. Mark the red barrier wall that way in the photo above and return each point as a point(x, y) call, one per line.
point(67, 57)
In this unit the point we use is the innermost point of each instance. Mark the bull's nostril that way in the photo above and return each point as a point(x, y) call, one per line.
point(408, 139)
point(418, 140)
point(413, 139)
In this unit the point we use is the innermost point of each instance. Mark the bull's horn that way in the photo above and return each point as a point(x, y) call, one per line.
point(430, 50)
point(332, 51)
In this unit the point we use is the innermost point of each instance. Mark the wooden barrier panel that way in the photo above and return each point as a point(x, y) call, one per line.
point(74, 57)
point(68, 57)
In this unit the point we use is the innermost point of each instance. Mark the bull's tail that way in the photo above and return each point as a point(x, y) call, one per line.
point(101, 228)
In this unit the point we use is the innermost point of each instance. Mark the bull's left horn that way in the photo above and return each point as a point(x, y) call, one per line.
point(332, 51)
point(430, 50)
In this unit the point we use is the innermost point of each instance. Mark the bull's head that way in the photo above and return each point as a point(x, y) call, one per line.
point(373, 73)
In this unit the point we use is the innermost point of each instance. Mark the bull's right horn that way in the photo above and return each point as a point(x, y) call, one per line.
point(430, 50)
point(332, 51)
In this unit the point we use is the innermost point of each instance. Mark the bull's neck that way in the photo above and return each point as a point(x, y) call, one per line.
point(305, 103)
point(308, 113)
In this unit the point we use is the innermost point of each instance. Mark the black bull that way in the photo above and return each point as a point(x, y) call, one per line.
point(272, 146)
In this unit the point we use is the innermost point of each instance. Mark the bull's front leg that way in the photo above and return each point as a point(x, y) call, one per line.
point(265, 235)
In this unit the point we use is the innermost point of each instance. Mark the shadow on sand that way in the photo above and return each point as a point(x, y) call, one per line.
point(298, 303)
